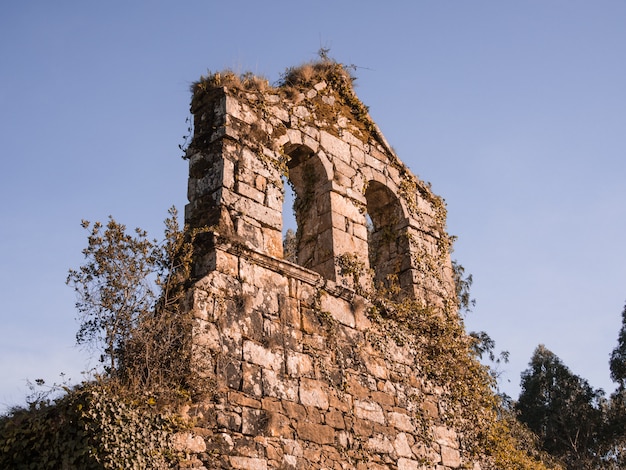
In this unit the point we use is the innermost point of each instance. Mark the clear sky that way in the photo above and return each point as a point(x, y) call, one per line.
point(514, 111)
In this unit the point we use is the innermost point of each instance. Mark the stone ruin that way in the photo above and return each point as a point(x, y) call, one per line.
point(301, 376)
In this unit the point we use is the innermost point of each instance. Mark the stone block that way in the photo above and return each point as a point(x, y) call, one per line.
point(345, 206)
point(401, 421)
point(207, 336)
point(294, 136)
point(231, 373)
point(313, 393)
point(409, 464)
point(247, 463)
point(359, 230)
point(369, 410)
point(446, 437)
point(292, 447)
point(359, 308)
point(335, 146)
point(380, 444)
point(312, 454)
point(299, 365)
point(247, 446)
point(318, 433)
point(253, 421)
point(301, 111)
point(289, 462)
point(450, 457)
point(276, 385)
point(310, 142)
point(356, 387)
point(273, 335)
point(347, 244)
point(252, 380)
point(255, 210)
point(273, 452)
point(340, 400)
point(344, 172)
point(241, 399)
point(289, 311)
point(311, 322)
point(280, 113)
point(362, 428)
point(274, 197)
point(376, 164)
point(250, 192)
point(272, 404)
point(335, 419)
point(188, 442)
point(402, 445)
point(430, 408)
point(228, 420)
point(339, 309)
point(226, 263)
point(349, 138)
point(384, 399)
point(260, 355)
point(272, 242)
point(295, 410)
point(249, 230)
point(203, 305)
point(375, 366)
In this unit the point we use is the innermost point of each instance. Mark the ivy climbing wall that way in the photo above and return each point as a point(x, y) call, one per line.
point(304, 363)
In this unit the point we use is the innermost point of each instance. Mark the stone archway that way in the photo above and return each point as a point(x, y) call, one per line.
point(387, 240)
point(310, 182)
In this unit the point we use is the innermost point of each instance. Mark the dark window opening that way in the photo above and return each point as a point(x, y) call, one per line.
point(386, 233)
point(312, 245)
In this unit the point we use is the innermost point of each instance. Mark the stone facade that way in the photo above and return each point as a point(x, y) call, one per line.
point(300, 374)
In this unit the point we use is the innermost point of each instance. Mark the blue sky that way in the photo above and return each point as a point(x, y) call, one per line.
point(514, 111)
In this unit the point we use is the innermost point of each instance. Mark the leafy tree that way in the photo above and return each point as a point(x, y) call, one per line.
point(114, 288)
point(563, 410)
point(614, 436)
point(129, 298)
point(617, 362)
point(485, 349)
point(129, 293)
point(615, 432)
point(462, 285)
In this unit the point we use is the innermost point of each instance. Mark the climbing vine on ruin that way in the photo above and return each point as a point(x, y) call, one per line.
point(90, 427)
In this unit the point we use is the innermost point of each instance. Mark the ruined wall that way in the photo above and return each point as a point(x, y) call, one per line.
point(299, 372)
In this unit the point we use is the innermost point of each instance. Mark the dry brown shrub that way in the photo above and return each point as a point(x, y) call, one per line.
point(228, 78)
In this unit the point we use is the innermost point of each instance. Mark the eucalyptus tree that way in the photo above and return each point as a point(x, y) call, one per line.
point(563, 410)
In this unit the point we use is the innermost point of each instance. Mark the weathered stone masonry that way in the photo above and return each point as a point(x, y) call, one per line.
point(301, 376)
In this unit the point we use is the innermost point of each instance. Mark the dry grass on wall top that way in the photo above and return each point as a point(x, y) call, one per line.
point(294, 82)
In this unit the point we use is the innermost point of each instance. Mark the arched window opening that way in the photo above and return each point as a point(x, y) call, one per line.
point(386, 233)
point(311, 208)
point(290, 226)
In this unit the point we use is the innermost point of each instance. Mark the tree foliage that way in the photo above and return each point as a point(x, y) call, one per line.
point(617, 363)
point(114, 288)
point(615, 448)
point(563, 410)
point(130, 292)
point(129, 297)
